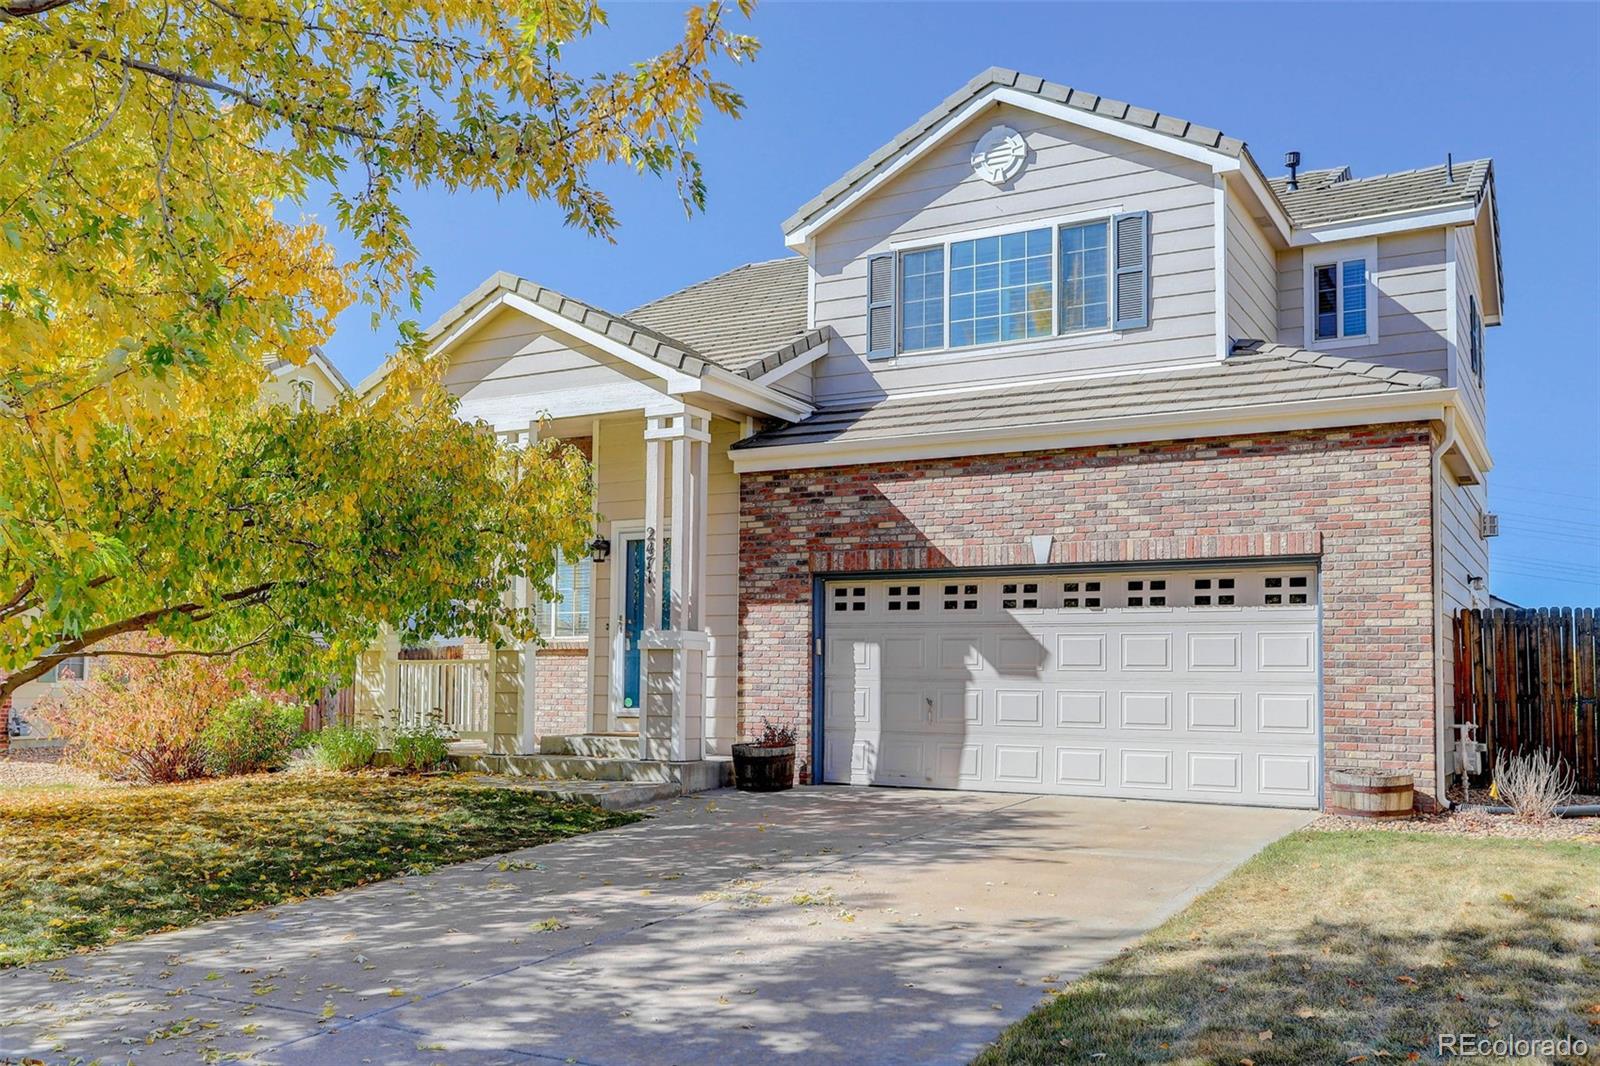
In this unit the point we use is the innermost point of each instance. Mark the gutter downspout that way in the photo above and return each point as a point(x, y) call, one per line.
point(1441, 726)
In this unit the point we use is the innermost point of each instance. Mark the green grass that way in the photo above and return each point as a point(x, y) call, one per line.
point(85, 867)
point(1335, 947)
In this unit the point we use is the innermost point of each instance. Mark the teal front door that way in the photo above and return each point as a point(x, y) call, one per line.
point(633, 619)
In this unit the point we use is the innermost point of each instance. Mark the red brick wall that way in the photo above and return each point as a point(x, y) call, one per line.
point(561, 691)
point(1361, 497)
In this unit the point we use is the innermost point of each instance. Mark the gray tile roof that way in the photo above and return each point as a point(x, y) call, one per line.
point(747, 320)
point(1257, 373)
point(1332, 195)
point(1171, 126)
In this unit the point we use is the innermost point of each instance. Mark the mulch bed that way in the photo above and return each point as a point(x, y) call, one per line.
point(1471, 823)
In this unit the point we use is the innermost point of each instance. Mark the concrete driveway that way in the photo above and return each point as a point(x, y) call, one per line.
point(820, 925)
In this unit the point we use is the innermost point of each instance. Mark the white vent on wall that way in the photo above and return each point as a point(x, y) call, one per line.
point(1488, 524)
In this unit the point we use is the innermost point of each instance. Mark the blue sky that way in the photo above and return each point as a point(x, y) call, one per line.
point(1378, 87)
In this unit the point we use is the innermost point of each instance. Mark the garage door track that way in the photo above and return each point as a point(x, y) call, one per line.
point(820, 925)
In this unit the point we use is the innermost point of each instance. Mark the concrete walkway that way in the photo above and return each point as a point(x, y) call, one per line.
point(820, 925)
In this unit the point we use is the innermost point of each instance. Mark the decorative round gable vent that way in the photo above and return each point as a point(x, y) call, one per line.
point(999, 155)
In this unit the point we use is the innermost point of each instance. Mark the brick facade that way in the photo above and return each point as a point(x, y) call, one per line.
point(561, 691)
point(1361, 499)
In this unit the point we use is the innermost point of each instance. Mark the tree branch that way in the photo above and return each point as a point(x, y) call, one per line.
point(21, 9)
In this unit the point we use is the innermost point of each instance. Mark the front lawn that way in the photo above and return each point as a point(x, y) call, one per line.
point(1334, 947)
point(80, 868)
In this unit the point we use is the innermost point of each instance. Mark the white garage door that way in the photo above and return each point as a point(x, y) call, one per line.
point(1185, 685)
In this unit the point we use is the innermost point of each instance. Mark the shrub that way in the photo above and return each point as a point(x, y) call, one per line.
point(1533, 785)
point(344, 748)
point(420, 747)
point(142, 717)
point(774, 736)
point(251, 735)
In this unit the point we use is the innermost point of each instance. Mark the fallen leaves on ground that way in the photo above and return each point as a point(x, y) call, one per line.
point(97, 866)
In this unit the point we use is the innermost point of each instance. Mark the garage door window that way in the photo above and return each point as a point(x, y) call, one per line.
point(850, 598)
point(1080, 594)
point(963, 597)
point(905, 598)
point(1287, 591)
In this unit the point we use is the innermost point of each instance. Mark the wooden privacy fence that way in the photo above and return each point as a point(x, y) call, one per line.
point(1530, 679)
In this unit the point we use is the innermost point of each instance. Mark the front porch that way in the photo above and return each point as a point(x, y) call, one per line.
point(639, 642)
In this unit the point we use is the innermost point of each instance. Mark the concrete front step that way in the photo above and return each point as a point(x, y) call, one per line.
point(593, 745)
point(608, 795)
point(682, 777)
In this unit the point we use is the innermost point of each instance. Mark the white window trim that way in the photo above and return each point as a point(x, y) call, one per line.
point(547, 616)
point(1336, 255)
point(1055, 337)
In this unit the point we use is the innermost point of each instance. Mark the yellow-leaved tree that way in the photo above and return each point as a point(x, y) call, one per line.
point(147, 280)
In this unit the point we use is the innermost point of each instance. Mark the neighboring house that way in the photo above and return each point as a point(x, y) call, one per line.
point(318, 383)
point(1070, 453)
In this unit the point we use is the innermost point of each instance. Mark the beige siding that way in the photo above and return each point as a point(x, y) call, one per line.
point(1463, 554)
point(1070, 172)
point(1467, 284)
point(1252, 281)
point(619, 497)
point(1411, 301)
point(513, 370)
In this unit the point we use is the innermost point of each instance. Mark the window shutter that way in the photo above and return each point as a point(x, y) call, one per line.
point(880, 307)
point(1130, 236)
point(1475, 337)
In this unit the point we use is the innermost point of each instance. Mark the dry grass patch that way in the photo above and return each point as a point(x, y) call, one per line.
point(1335, 947)
point(80, 868)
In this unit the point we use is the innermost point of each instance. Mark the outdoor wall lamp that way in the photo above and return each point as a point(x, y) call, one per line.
point(600, 549)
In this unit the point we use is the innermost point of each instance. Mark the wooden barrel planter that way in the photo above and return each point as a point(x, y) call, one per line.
point(1370, 794)
point(758, 768)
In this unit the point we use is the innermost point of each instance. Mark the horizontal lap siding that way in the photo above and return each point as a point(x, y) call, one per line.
point(1366, 492)
point(1070, 171)
point(1252, 289)
point(1411, 304)
point(512, 370)
point(1472, 393)
point(1463, 554)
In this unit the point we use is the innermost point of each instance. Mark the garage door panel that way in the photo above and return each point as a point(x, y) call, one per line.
point(1282, 712)
point(1146, 768)
point(1081, 710)
point(1019, 707)
point(1184, 697)
point(1019, 764)
point(1215, 712)
point(1145, 651)
point(1147, 710)
point(1081, 767)
point(1080, 651)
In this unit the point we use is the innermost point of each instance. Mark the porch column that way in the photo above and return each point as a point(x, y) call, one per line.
point(672, 715)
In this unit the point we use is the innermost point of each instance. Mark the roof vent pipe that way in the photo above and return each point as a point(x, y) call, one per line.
point(1292, 161)
point(1449, 169)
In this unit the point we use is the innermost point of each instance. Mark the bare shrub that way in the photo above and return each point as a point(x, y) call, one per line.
point(143, 719)
point(1533, 784)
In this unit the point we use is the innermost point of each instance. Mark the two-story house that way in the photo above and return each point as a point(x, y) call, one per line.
point(1070, 452)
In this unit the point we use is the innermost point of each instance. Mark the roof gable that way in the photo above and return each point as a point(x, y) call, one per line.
point(1076, 106)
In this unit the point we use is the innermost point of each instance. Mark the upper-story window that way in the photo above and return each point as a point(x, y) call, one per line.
point(1085, 277)
point(922, 300)
point(1000, 288)
point(1339, 297)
